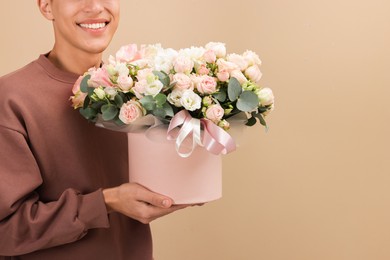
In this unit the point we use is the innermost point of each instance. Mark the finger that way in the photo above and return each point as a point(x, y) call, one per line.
point(154, 199)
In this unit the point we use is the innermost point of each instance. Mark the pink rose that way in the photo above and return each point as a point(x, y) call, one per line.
point(228, 66)
point(125, 82)
point(205, 84)
point(78, 96)
point(183, 64)
point(139, 88)
point(203, 70)
point(215, 113)
point(99, 78)
point(182, 81)
point(130, 111)
point(223, 75)
point(76, 86)
point(127, 53)
point(253, 73)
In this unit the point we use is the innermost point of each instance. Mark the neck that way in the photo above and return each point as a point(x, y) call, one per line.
point(77, 63)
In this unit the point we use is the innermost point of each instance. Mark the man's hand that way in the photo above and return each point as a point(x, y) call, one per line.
point(139, 203)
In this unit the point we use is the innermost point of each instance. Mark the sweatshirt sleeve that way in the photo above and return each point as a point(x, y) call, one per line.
point(28, 224)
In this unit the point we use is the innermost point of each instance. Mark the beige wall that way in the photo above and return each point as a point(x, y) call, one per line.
point(316, 186)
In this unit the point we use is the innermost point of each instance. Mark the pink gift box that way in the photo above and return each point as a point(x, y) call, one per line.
point(157, 166)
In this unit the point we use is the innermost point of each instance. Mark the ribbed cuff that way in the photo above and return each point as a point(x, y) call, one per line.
point(92, 210)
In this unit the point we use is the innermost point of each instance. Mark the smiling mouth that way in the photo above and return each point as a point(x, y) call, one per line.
point(94, 26)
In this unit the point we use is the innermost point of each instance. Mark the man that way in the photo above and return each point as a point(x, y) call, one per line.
point(63, 191)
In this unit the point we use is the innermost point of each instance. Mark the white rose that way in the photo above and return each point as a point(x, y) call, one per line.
point(239, 76)
point(266, 97)
point(239, 60)
point(190, 100)
point(193, 53)
point(218, 48)
point(125, 83)
point(252, 58)
point(253, 73)
point(183, 64)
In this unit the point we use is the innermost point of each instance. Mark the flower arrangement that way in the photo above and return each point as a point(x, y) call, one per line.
point(203, 83)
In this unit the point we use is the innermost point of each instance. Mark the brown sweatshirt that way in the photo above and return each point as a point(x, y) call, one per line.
point(53, 165)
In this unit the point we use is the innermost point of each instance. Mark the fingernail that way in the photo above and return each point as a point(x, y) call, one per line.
point(166, 203)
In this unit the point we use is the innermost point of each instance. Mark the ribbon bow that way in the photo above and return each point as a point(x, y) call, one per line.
point(215, 139)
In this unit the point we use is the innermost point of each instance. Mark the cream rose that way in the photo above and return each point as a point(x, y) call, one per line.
point(215, 113)
point(182, 81)
point(239, 60)
point(130, 111)
point(253, 73)
point(183, 64)
point(266, 96)
point(205, 84)
point(218, 48)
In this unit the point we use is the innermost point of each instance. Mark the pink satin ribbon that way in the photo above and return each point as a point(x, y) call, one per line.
point(215, 139)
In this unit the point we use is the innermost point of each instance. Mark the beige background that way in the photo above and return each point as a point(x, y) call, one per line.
point(316, 186)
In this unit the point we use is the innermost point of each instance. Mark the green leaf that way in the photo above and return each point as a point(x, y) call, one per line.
point(109, 112)
point(159, 112)
point(90, 91)
point(262, 109)
point(163, 77)
point(84, 84)
point(97, 105)
point(168, 109)
point(148, 103)
point(221, 95)
point(87, 100)
point(251, 121)
point(118, 101)
point(234, 89)
point(247, 101)
point(160, 99)
point(88, 113)
point(261, 119)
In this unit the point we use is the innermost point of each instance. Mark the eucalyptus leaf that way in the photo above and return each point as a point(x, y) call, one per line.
point(88, 113)
point(148, 103)
point(247, 101)
point(159, 112)
point(90, 91)
point(220, 96)
point(234, 89)
point(118, 101)
point(84, 84)
point(161, 99)
point(97, 105)
point(109, 112)
point(87, 100)
point(168, 109)
point(163, 77)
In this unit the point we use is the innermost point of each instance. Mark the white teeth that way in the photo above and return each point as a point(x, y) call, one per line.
point(93, 25)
